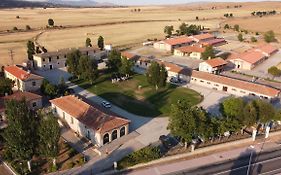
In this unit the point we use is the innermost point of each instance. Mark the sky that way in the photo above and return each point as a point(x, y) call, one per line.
point(155, 2)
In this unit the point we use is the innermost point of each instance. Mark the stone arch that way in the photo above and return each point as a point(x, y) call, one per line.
point(105, 138)
point(122, 131)
point(114, 135)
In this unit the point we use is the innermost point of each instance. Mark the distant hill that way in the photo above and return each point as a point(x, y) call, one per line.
point(52, 3)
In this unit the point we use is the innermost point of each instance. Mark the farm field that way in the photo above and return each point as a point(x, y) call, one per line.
point(119, 26)
point(144, 101)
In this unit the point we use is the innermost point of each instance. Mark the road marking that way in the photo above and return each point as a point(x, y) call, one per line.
point(269, 160)
point(270, 171)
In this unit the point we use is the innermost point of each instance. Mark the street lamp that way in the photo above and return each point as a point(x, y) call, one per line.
point(250, 161)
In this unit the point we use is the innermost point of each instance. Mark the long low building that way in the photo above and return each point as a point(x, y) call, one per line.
point(89, 121)
point(234, 86)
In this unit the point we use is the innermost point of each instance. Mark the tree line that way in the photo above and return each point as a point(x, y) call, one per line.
point(263, 13)
point(191, 122)
point(29, 134)
point(184, 29)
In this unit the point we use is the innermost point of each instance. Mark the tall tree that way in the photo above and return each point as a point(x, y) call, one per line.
point(126, 66)
point(49, 135)
point(269, 36)
point(30, 49)
point(240, 37)
point(114, 61)
point(236, 27)
point(265, 110)
point(72, 61)
point(233, 107)
point(168, 30)
point(250, 114)
point(5, 86)
point(88, 42)
point(51, 22)
point(101, 42)
point(20, 135)
point(208, 53)
point(274, 71)
point(156, 75)
point(88, 69)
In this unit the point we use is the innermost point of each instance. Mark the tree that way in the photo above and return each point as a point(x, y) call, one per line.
point(101, 42)
point(126, 66)
point(20, 135)
point(226, 26)
point(236, 27)
point(5, 86)
point(269, 36)
point(265, 110)
point(240, 37)
point(250, 115)
point(156, 75)
point(30, 49)
point(88, 69)
point(183, 28)
point(49, 135)
point(230, 15)
point(15, 28)
point(197, 18)
point(168, 30)
point(27, 27)
point(114, 61)
point(254, 39)
point(274, 71)
point(51, 22)
point(208, 53)
point(233, 107)
point(88, 42)
point(72, 60)
point(51, 90)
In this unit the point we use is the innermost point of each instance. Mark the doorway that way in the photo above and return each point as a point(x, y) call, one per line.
point(224, 88)
point(51, 67)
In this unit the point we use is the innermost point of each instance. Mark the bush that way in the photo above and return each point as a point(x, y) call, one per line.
point(269, 36)
point(15, 28)
point(142, 156)
point(27, 27)
point(72, 152)
point(253, 39)
point(52, 168)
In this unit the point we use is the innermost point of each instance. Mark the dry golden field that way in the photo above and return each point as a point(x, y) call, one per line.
point(118, 26)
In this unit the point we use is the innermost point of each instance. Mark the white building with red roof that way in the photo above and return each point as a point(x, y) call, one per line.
point(252, 57)
point(172, 43)
point(89, 121)
point(23, 80)
point(194, 51)
point(213, 66)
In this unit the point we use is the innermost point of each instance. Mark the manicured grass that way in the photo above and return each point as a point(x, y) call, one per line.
point(138, 97)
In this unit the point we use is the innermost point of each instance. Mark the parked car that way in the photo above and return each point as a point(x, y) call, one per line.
point(106, 104)
point(166, 141)
point(70, 91)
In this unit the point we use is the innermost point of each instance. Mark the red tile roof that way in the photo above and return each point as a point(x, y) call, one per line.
point(252, 56)
point(216, 62)
point(252, 87)
point(190, 49)
point(267, 48)
point(128, 55)
point(20, 73)
point(179, 40)
point(203, 36)
point(88, 115)
point(28, 96)
point(213, 42)
point(171, 67)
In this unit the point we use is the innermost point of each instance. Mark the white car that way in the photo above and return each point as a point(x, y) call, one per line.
point(106, 104)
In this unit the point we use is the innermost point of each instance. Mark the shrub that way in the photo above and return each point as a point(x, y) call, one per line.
point(253, 39)
point(269, 36)
point(72, 152)
point(27, 27)
point(15, 28)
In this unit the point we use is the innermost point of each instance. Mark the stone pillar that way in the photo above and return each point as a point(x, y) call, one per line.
point(192, 148)
point(267, 129)
point(118, 132)
point(110, 136)
point(254, 133)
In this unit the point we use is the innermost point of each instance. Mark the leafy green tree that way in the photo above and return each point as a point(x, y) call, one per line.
point(101, 42)
point(240, 37)
point(233, 107)
point(183, 28)
point(226, 26)
point(30, 49)
point(265, 110)
point(5, 86)
point(274, 71)
point(182, 121)
point(236, 27)
point(51, 90)
point(49, 135)
point(156, 75)
point(27, 27)
point(168, 30)
point(269, 36)
point(88, 69)
point(72, 60)
point(126, 67)
point(88, 42)
point(250, 115)
point(254, 39)
point(20, 135)
point(51, 22)
point(114, 61)
point(15, 28)
point(208, 53)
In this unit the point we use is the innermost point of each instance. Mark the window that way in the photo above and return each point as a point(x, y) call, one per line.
point(63, 115)
point(243, 92)
point(34, 104)
point(44, 65)
point(216, 85)
point(208, 82)
point(64, 56)
point(233, 89)
point(50, 59)
point(72, 120)
point(201, 81)
point(58, 57)
point(114, 135)
point(43, 59)
point(33, 83)
point(58, 62)
point(122, 131)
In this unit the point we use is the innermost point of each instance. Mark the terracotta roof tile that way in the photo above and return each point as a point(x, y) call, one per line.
point(252, 87)
point(179, 40)
point(190, 49)
point(203, 36)
point(213, 42)
point(89, 115)
point(215, 62)
point(129, 55)
point(267, 48)
point(21, 74)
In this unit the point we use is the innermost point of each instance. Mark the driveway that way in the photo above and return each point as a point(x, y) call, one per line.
point(183, 61)
point(54, 76)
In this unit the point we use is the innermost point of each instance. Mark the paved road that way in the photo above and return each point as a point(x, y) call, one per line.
point(265, 163)
point(4, 170)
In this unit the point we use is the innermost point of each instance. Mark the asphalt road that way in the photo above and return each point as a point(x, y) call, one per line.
point(265, 163)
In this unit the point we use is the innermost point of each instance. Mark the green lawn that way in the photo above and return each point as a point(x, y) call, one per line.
point(138, 97)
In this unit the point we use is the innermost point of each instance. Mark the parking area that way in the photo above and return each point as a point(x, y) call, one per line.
point(183, 61)
point(54, 76)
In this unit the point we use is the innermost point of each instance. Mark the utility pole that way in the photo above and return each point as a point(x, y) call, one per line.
point(11, 52)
